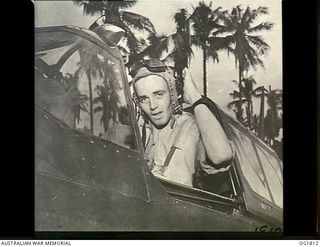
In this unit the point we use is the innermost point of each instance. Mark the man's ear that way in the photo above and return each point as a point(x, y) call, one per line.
point(135, 99)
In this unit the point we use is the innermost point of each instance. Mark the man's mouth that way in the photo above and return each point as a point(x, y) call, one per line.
point(156, 114)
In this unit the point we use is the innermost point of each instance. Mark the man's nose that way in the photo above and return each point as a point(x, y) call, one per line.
point(153, 104)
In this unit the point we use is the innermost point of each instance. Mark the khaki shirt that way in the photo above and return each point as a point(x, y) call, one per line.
point(189, 151)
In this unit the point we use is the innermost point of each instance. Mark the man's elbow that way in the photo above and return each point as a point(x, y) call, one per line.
point(223, 158)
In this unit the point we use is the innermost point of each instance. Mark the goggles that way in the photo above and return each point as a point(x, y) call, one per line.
point(153, 65)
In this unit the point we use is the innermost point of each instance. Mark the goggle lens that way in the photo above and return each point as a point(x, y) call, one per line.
point(153, 65)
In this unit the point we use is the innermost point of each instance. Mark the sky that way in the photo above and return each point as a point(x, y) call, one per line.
point(161, 12)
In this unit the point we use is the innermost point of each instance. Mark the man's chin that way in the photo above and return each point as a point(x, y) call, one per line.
point(160, 124)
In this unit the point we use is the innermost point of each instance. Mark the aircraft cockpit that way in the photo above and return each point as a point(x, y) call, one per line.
point(81, 86)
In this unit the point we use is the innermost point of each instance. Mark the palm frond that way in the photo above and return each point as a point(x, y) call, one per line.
point(236, 102)
point(202, 19)
point(236, 15)
point(275, 96)
point(195, 40)
point(244, 20)
point(217, 11)
point(226, 19)
point(91, 7)
point(257, 92)
point(257, 62)
point(261, 45)
point(249, 57)
point(261, 10)
point(246, 48)
point(137, 21)
point(251, 79)
point(220, 30)
point(158, 45)
point(250, 60)
point(213, 54)
point(231, 104)
point(235, 94)
point(182, 43)
point(218, 43)
point(181, 19)
point(121, 4)
point(247, 87)
point(261, 27)
point(182, 51)
point(131, 40)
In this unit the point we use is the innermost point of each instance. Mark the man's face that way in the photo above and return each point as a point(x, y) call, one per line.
point(154, 97)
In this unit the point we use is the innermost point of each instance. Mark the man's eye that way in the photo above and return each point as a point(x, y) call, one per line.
point(143, 100)
point(159, 95)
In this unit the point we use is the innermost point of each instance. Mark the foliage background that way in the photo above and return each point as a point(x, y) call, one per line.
point(161, 12)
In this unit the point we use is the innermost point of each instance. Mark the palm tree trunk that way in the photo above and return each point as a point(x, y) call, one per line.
point(273, 126)
point(249, 112)
point(90, 100)
point(188, 33)
point(204, 71)
point(273, 119)
point(240, 81)
point(261, 125)
point(240, 93)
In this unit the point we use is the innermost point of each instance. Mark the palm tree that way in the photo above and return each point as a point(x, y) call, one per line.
point(102, 98)
point(108, 99)
point(205, 25)
point(237, 105)
point(157, 45)
point(181, 52)
point(154, 48)
point(255, 124)
point(182, 44)
point(247, 91)
point(246, 47)
point(273, 122)
point(274, 100)
point(261, 92)
point(92, 66)
point(111, 12)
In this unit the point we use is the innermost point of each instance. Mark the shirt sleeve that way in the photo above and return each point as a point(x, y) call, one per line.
point(206, 165)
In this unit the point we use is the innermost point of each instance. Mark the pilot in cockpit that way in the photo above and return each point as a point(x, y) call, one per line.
point(179, 143)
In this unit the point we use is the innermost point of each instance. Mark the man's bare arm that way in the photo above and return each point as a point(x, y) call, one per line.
point(212, 134)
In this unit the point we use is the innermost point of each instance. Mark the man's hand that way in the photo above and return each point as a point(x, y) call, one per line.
point(190, 92)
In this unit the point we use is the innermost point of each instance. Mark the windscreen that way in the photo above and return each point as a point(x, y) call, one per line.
point(261, 170)
point(82, 85)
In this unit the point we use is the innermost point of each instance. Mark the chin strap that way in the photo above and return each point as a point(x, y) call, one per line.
point(144, 134)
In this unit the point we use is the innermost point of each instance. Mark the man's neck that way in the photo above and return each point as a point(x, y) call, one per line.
point(157, 129)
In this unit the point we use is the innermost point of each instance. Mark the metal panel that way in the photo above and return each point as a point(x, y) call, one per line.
point(72, 206)
point(63, 152)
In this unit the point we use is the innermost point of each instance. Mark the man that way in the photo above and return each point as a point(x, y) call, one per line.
point(179, 143)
